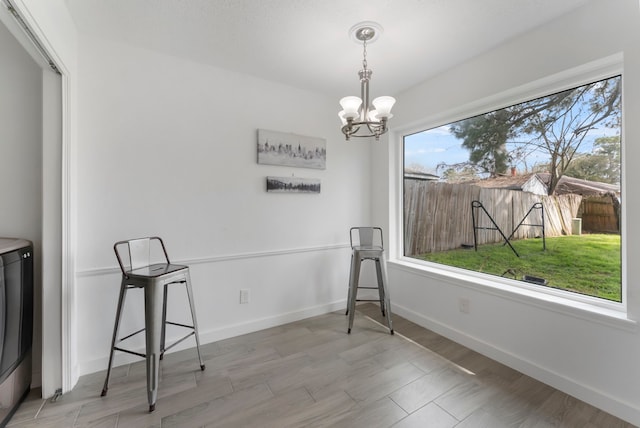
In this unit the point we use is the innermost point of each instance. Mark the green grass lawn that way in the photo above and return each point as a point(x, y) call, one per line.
point(587, 264)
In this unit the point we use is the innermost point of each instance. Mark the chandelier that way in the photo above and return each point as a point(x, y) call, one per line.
point(359, 117)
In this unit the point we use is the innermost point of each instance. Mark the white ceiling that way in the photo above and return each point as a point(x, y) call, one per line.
point(306, 44)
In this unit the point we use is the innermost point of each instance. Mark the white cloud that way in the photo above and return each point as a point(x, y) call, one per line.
point(424, 151)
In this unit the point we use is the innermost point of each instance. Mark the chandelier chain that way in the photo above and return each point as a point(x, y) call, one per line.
point(364, 54)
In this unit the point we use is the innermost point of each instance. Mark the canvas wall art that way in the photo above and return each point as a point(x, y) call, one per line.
point(286, 149)
point(293, 185)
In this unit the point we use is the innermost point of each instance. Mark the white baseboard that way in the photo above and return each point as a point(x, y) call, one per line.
point(622, 409)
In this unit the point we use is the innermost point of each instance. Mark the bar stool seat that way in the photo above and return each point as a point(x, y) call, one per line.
point(135, 259)
point(367, 244)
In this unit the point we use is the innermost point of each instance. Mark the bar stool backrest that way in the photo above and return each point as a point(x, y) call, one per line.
point(366, 237)
point(141, 252)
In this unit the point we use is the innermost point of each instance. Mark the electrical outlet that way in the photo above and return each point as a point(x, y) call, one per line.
point(463, 305)
point(244, 296)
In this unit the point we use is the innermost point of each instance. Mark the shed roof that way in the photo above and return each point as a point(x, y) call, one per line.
point(566, 185)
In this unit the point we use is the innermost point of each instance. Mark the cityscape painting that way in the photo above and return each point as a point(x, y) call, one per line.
point(286, 149)
point(293, 185)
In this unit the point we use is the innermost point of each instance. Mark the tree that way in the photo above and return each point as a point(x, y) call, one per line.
point(486, 137)
point(555, 125)
point(588, 166)
point(415, 167)
point(459, 175)
point(610, 148)
point(558, 124)
point(602, 165)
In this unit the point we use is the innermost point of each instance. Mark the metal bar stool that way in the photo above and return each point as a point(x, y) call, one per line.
point(367, 244)
point(135, 259)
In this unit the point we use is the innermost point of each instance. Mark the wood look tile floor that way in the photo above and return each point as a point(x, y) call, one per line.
point(310, 373)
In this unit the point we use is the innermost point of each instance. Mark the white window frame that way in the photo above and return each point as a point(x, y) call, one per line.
point(551, 298)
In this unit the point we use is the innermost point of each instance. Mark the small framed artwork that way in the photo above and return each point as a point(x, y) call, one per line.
point(293, 185)
point(279, 148)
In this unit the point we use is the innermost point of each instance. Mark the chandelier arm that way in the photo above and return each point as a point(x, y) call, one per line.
point(351, 128)
point(375, 129)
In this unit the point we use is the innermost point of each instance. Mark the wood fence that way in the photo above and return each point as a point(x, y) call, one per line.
point(437, 216)
point(600, 214)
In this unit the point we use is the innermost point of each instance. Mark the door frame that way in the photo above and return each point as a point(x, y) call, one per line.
point(58, 203)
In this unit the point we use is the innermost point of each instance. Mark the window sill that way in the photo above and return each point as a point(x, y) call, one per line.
point(583, 307)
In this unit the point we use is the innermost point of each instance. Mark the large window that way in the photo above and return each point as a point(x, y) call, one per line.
point(530, 192)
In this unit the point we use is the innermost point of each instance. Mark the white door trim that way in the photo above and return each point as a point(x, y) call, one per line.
point(59, 335)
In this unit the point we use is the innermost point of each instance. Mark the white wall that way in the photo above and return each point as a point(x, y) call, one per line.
point(594, 357)
point(21, 142)
point(21, 158)
point(168, 147)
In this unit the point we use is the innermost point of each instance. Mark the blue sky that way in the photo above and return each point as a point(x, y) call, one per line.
point(436, 146)
point(432, 147)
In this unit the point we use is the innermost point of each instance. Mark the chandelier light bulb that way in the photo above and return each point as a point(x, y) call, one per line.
point(350, 106)
point(383, 105)
point(342, 118)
